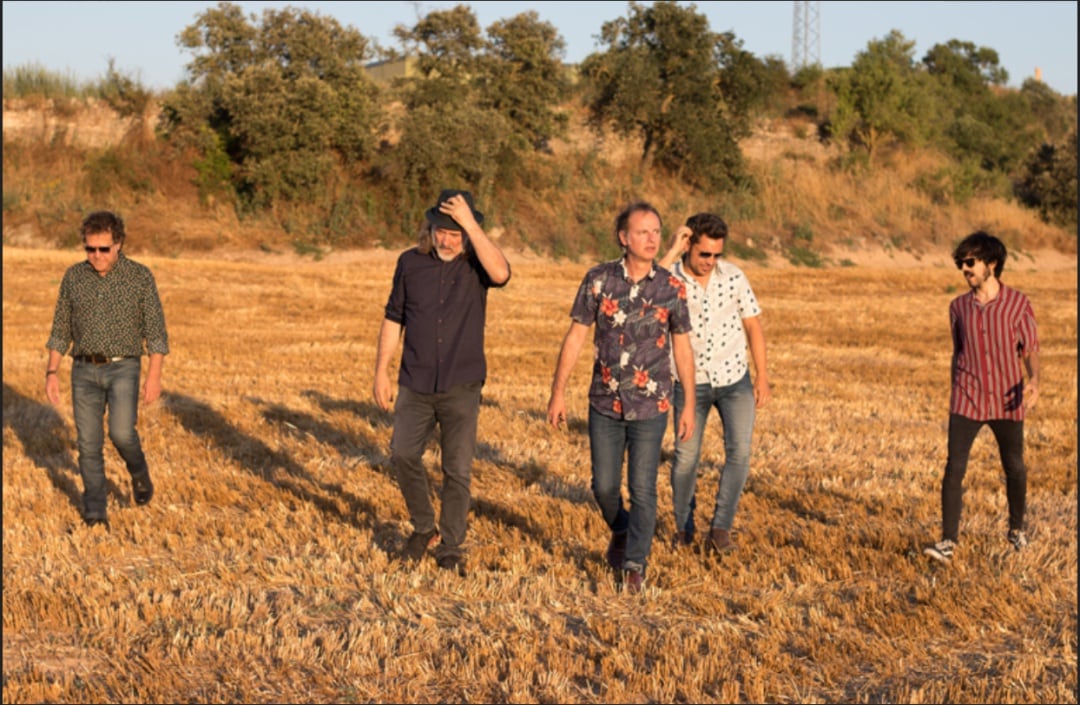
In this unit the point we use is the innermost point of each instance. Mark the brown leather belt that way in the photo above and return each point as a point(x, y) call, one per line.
point(100, 359)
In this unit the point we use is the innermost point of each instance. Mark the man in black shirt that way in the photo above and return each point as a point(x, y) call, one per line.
point(439, 299)
point(109, 314)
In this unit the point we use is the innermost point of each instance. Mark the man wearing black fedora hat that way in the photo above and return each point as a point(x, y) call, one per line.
point(438, 305)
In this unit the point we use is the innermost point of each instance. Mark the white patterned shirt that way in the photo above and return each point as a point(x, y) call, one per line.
point(717, 311)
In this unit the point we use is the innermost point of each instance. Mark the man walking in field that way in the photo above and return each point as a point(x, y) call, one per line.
point(641, 324)
point(108, 314)
point(994, 337)
point(725, 317)
point(439, 300)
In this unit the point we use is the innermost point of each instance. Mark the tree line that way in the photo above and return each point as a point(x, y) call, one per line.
point(280, 110)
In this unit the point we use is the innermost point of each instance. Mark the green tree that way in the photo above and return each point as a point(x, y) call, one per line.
point(1055, 113)
point(966, 68)
point(991, 128)
point(524, 78)
point(287, 99)
point(1048, 182)
point(685, 90)
point(882, 97)
point(449, 134)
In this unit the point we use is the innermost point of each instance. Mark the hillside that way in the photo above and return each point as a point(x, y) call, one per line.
point(62, 158)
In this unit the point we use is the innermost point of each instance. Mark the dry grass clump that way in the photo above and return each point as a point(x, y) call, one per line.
point(266, 568)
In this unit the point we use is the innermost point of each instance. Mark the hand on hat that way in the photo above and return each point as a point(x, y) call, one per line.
point(458, 208)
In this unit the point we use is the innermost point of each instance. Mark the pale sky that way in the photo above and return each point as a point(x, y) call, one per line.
point(78, 38)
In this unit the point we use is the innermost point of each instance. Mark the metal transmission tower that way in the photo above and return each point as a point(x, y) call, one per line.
point(806, 37)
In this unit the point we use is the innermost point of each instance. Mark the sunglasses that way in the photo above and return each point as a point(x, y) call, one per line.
point(90, 249)
point(969, 262)
point(708, 255)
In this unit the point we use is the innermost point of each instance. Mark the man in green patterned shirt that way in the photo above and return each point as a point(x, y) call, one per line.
point(108, 314)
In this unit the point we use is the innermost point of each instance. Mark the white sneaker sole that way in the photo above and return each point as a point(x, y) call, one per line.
point(937, 555)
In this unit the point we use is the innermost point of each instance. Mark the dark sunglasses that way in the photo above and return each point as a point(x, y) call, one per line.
point(103, 250)
point(969, 262)
point(708, 255)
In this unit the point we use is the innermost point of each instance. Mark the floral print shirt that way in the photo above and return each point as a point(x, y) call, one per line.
point(632, 367)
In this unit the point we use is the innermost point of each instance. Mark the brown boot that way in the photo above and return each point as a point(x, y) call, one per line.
point(681, 539)
point(719, 541)
point(616, 550)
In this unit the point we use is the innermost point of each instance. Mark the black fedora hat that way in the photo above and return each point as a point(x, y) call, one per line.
point(441, 220)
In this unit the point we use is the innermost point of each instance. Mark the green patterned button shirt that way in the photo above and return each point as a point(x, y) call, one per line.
point(109, 315)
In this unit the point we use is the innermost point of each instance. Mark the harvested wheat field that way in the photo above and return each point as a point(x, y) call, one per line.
point(266, 568)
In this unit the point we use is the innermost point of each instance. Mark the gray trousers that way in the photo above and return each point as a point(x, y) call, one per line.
point(415, 416)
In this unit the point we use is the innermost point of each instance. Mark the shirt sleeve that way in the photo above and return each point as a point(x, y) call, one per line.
point(395, 304)
point(680, 311)
point(586, 302)
point(748, 303)
point(154, 331)
point(1027, 334)
point(60, 336)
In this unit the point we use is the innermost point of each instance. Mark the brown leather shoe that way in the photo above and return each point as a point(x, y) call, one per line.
point(681, 539)
point(719, 541)
point(616, 550)
point(634, 581)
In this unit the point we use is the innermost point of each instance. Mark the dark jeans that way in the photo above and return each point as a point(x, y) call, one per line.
point(639, 441)
point(1010, 440)
point(415, 416)
point(95, 388)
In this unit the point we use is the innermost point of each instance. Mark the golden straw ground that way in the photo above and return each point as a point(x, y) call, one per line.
point(265, 568)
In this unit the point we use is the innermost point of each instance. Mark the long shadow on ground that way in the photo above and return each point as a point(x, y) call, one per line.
point(275, 467)
point(46, 441)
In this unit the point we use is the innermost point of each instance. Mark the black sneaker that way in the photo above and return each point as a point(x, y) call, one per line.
point(452, 561)
point(91, 522)
point(1017, 538)
point(941, 551)
point(418, 544)
point(142, 490)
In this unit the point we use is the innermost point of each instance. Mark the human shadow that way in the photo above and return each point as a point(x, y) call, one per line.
point(276, 467)
point(349, 445)
point(46, 441)
point(367, 411)
point(528, 473)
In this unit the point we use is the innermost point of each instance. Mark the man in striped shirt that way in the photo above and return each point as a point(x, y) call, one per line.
point(994, 341)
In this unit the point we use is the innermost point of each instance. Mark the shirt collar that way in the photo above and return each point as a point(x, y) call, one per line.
point(626, 273)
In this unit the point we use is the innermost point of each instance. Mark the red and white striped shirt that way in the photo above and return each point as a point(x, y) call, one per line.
point(989, 343)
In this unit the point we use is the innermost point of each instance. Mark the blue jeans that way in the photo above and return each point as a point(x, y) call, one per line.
point(95, 388)
point(639, 441)
point(456, 412)
point(736, 406)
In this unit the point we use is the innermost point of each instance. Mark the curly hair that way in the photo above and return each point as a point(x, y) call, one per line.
point(103, 222)
point(983, 246)
point(707, 225)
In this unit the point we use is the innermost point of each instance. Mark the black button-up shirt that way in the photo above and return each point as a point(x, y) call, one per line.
point(442, 307)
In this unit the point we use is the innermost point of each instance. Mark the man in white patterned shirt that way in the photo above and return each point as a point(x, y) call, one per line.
point(726, 317)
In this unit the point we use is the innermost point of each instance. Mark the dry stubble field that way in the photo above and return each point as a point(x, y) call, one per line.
point(265, 568)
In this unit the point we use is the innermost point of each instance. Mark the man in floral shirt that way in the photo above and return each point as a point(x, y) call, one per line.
point(642, 323)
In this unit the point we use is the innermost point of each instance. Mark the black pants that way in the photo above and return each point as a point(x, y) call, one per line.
point(415, 417)
point(1010, 440)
